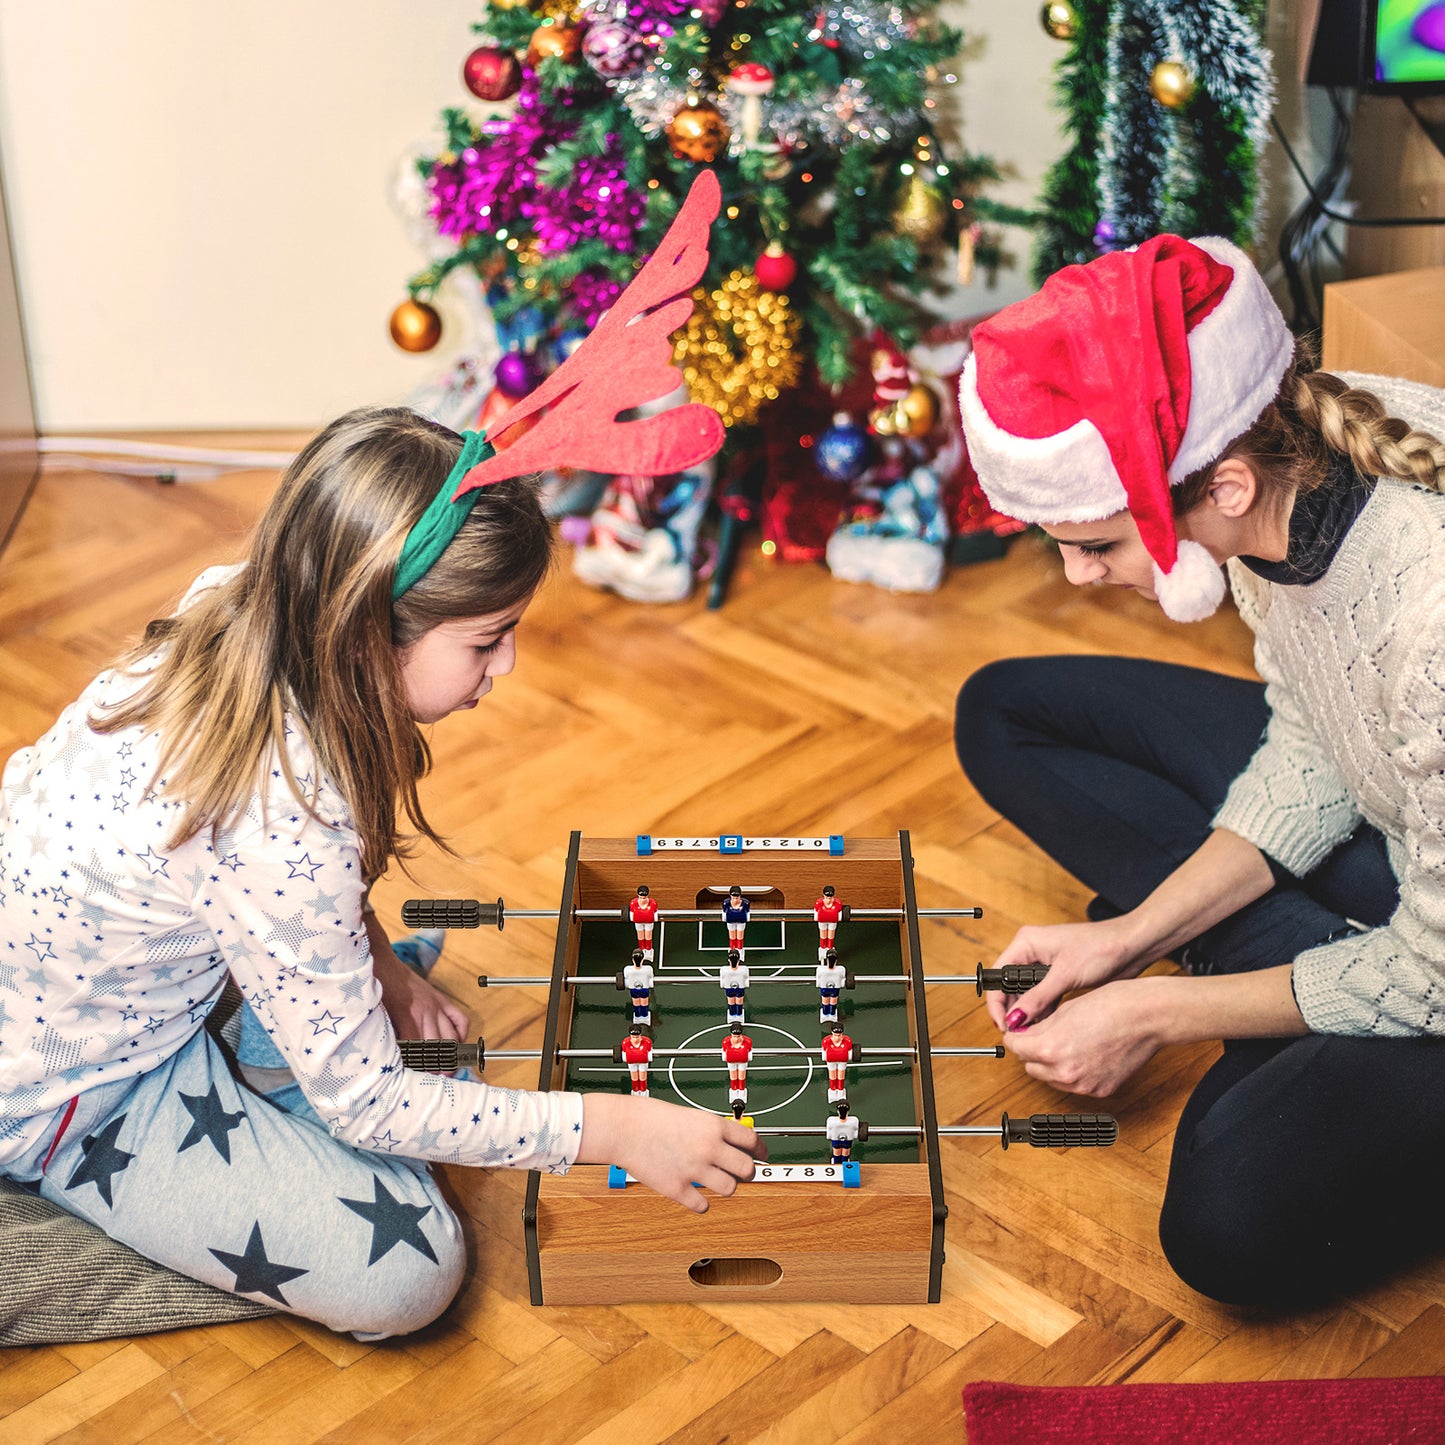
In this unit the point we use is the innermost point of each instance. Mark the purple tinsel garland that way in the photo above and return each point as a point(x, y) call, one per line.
point(494, 185)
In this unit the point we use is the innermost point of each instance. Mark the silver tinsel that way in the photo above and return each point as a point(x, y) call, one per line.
point(861, 30)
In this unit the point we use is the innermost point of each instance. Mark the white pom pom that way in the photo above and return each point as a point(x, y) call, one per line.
point(1194, 588)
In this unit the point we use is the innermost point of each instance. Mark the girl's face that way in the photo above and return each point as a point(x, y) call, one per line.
point(451, 667)
point(1110, 551)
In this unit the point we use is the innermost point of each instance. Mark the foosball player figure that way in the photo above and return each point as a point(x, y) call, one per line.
point(735, 916)
point(830, 976)
point(737, 1051)
point(837, 1054)
point(638, 978)
point(636, 1051)
point(733, 976)
point(643, 912)
point(842, 1131)
point(827, 910)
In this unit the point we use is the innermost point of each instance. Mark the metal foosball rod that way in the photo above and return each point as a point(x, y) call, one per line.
point(1042, 1131)
point(445, 1055)
point(1013, 979)
point(471, 913)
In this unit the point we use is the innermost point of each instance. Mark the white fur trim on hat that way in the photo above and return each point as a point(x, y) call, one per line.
point(1020, 475)
point(1237, 355)
point(1193, 588)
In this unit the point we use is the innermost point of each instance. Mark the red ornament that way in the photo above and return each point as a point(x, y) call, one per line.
point(492, 73)
point(775, 269)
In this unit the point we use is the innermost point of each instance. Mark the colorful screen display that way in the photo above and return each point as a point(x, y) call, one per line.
point(1409, 42)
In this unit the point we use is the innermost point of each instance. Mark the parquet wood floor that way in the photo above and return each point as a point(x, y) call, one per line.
point(803, 706)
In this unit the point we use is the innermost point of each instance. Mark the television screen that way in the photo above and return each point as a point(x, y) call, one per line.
point(1409, 45)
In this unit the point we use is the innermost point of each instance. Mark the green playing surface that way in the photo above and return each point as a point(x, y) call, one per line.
point(781, 1091)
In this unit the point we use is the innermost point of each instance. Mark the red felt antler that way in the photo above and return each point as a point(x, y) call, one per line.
point(625, 362)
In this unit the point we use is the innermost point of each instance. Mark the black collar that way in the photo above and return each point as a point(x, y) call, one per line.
point(1318, 523)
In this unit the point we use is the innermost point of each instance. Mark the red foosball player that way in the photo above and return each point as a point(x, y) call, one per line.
point(733, 976)
point(735, 917)
point(830, 976)
point(827, 910)
point(842, 1131)
point(636, 1051)
point(737, 1052)
point(643, 912)
point(837, 1054)
point(637, 979)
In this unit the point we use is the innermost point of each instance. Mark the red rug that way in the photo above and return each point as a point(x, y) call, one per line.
point(1286, 1412)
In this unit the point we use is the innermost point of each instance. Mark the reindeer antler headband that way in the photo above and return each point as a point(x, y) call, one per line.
point(625, 362)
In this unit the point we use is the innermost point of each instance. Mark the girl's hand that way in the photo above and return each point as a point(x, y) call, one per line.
point(418, 1009)
point(1093, 1043)
point(1079, 955)
point(667, 1147)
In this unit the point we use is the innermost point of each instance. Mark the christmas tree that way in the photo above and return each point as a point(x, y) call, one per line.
point(840, 199)
point(1167, 103)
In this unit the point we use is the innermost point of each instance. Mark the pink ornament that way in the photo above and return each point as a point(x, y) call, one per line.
point(515, 375)
point(613, 49)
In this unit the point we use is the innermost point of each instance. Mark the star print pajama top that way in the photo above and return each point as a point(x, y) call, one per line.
point(114, 946)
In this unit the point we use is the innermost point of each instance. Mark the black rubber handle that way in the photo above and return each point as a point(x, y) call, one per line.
point(442, 1056)
point(1012, 978)
point(452, 913)
point(1062, 1131)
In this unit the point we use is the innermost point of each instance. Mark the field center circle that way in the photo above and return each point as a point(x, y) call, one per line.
point(721, 1030)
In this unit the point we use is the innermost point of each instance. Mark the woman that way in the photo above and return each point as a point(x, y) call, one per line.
point(1286, 838)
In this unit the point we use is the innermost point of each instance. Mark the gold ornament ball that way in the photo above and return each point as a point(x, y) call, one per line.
point(1171, 84)
point(509, 4)
point(921, 211)
point(883, 421)
point(698, 132)
point(564, 42)
point(918, 411)
point(1060, 20)
point(415, 326)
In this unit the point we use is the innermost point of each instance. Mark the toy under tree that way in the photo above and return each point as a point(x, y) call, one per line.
point(842, 206)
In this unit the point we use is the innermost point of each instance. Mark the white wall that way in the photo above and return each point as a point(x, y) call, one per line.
point(200, 193)
point(199, 199)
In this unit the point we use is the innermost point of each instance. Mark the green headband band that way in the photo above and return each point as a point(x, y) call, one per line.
point(442, 519)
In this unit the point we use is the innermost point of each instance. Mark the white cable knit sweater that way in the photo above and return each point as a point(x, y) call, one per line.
point(1354, 667)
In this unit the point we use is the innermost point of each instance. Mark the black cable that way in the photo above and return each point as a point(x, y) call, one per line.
point(1339, 216)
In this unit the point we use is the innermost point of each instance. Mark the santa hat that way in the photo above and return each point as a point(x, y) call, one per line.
point(1117, 380)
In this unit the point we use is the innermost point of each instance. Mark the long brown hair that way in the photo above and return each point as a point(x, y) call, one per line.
point(1314, 417)
point(307, 629)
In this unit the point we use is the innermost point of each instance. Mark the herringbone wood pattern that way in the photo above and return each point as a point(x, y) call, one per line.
point(804, 706)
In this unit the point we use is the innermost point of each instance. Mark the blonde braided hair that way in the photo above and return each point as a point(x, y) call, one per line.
point(1315, 417)
point(1357, 424)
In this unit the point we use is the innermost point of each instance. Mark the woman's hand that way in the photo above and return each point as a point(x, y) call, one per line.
point(1079, 955)
point(1093, 1043)
point(667, 1147)
point(418, 1009)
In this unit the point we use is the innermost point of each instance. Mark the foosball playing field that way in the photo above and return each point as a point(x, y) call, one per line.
point(781, 1011)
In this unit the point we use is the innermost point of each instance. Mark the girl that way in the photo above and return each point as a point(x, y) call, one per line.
point(1149, 410)
point(219, 802)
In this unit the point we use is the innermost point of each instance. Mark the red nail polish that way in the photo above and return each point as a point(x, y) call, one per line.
point(1016, 1020)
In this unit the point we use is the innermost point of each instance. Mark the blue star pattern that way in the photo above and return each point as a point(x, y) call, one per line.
point(115, 941)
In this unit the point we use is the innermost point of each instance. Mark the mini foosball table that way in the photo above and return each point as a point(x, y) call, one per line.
point(852, 1213)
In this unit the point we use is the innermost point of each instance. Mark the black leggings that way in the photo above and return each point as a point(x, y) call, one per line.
point(1302, 1168)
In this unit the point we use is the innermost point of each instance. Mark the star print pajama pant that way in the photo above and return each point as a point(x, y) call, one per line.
point(195, 1171)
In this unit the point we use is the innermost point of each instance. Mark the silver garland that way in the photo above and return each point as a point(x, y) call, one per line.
point(837, 119)
point(1219, 47)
